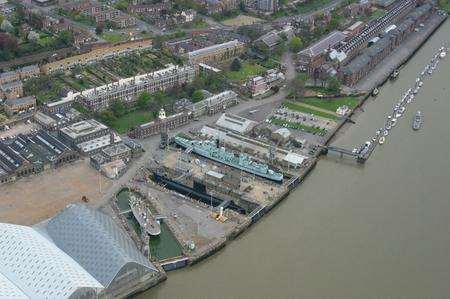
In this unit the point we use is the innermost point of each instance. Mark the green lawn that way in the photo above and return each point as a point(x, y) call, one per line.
point(195, 25)
point(46, 41)
point(331, 104)
point(445, 6)
point(296, 107)
point(311, 5)
point(246, 71)
point(131, 120)
point(114, 37)
point(298, 126)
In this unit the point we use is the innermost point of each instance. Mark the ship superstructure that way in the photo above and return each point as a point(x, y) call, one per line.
point(144, 217)
point(209, 149)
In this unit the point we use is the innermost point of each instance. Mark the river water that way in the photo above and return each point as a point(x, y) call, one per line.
point(381, 230)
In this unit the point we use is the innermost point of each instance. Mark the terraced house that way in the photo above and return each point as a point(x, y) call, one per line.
point(127, 90)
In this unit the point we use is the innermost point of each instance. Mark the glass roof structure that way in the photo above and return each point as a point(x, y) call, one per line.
point(33, 267)
point(95, 241)
point(78, 253)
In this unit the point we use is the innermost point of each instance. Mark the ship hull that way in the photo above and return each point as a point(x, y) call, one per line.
point(154, 231)
point(207, 155)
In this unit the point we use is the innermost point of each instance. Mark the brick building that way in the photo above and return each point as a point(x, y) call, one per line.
point(160, 124)
point(217, 53)
point(360, 66)
point(19, 105)
point(311, 58)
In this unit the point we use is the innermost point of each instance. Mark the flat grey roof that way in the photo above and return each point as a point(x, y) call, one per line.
point(83, 128)
point(325, 43)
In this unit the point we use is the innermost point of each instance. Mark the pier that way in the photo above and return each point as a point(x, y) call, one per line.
point(361, 157)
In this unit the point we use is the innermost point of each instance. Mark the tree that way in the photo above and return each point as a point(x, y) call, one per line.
point(442, 3)
point(160, 98)
point(6, 26)
point(143, 100)
point(118, 108)
point(297, 86)
point(295, 44)
point(107, 117)
point(99, 29)
point(333, 84)
point(197, 96)
point(236, 65)
point(65, 37)
point(8, 42)
point(33, 36)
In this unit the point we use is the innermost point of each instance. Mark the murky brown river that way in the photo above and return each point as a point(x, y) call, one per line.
point(377, 231)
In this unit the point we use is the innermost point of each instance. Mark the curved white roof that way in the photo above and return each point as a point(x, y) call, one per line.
point(96, 242)
point(9, 290)
point(33, 267)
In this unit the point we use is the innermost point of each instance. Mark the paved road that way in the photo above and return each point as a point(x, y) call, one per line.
point(151, 144)
point(333, 4)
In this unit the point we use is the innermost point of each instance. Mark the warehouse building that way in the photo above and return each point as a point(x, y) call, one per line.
point(31, 154)
point(360, 66)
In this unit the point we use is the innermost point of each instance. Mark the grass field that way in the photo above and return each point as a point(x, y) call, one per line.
point(333, 103)
point(445, 6)
point(311, 5)
point(114, 37)
point(131, 120)
point(297, 107)
point(297, 126)
point(241, 20)
point(246, 71)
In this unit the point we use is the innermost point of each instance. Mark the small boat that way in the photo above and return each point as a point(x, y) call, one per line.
point(402, 109)
point(420, 83)
point(443, 54)
point(382, 140)
point(388, 127)
point(417, 121)
point(398, 115)
point(416, 90)
point(394, 75)
point(386, 132)
point(375, 92)
point(394, 122)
